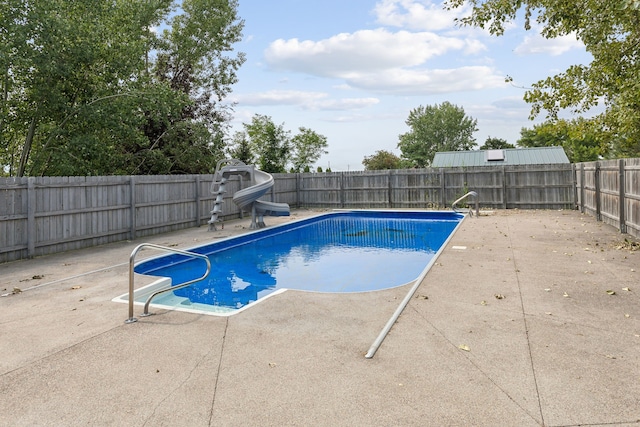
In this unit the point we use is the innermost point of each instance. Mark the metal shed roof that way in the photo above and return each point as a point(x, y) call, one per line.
point(507, 156)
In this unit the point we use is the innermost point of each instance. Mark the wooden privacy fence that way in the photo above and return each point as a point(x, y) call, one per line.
point(45, 215)
point(501, 187)
point(610, 191)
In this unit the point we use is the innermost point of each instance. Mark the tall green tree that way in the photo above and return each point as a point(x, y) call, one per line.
point(579, 141)
point(82, 92)
point(271, 143)
point(240, 148)
point(610, 31)
point(443, 127)
point(68, 68)
point(193, 61)
point(492, 143)
point(307, 147)
point(381, 160)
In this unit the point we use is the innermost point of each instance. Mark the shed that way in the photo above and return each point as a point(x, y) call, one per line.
point(506, 156)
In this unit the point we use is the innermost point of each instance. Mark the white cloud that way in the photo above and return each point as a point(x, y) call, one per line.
point(344, 104)
point(428, 81)
point(362, 50)
point(359, 117)
point(279, 97)
point(416, 14)
point(242, 116)
point(537, 44)
point(391, 62)
point(304, 100)
point(473, 46)
point(342, 86)
point(503, 110)
point(383, 61)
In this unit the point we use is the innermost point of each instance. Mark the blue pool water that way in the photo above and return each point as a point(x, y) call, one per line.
point(350, 251)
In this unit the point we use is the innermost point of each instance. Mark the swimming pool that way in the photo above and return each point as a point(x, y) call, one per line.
point(342, 251)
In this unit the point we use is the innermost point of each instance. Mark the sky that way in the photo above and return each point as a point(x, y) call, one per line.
point(352, 70)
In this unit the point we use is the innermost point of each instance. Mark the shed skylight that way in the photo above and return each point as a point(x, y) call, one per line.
point(495, 155)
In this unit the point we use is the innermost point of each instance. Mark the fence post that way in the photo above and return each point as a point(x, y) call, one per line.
point(582, 187)
point(198, 201)
point(273, 191)
point(298, 181)
point(574, 176)
point(132, 190)
point(621, 183)
point(504, 188)
point(342, 198)
point(597, 182)
point(442, 188)
point(389, 190)
point(31, 217)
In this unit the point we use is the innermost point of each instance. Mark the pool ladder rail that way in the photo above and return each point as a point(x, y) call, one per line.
point(469, 194)
point(132, 257)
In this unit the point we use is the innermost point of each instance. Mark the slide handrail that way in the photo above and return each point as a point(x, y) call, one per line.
point(219, 167)
point(132, 257)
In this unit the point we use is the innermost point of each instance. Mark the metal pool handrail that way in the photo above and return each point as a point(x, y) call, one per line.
point(394, 317)
point(472, 194)
point(132, 319)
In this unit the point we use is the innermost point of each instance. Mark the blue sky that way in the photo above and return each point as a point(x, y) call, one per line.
point(352, 70)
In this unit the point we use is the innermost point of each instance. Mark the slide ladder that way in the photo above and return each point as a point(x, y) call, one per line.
point(219, 185)
point(220, 177)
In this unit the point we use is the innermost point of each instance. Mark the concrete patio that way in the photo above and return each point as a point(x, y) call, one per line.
point(528, 318)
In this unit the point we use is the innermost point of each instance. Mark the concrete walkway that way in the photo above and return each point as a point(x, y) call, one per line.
point(528, 318)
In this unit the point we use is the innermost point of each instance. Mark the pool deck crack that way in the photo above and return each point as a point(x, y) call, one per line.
point(525, 323)
point(185, 380)
point(215, 386)
point(58, 352)
point(475, 365)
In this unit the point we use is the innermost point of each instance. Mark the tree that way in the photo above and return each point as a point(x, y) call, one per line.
point(271, 143)
point(240, 148)
point(64, 84)
point(610, 33)
point(576, 137)
point(496, 144)
point(82, 94)
point(307, 147)
point(191, 61)
point(443, 127)
point(381, 160)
